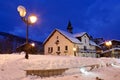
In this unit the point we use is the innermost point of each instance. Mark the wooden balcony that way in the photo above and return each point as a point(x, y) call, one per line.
point(87, 51)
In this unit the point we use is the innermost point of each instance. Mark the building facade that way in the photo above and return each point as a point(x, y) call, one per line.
point(60, 42)
point(111, 50)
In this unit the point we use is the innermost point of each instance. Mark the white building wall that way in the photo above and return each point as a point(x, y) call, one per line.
point(85, 42)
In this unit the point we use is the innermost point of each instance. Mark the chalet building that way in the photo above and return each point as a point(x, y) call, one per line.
point(60, 42)
point(9, 43)
point(111, 50)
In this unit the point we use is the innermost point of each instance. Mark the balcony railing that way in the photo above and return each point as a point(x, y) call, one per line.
point(116, 46)
point(87, 50)
point(112, 47)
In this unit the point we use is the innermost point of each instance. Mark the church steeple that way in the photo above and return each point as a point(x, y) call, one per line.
point(69, 27)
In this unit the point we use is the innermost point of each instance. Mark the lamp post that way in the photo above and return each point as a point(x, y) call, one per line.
point(30, 20)
point(109, 44)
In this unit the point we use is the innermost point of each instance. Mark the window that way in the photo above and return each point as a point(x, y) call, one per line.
point(85, 48)
point(57, 37)
point(66, 48)
point(57, 42)
point(50, 49)
point(58, 49)
point(85, 40)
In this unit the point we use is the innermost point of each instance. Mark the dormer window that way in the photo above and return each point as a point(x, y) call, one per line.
point(79, 38)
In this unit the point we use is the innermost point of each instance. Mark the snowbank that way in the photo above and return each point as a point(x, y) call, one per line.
point(12, 66)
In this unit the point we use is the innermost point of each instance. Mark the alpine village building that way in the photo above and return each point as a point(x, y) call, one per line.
point(111, 50)
point(61, 42)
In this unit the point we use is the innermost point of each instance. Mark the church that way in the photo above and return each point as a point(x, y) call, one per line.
point(65, 43)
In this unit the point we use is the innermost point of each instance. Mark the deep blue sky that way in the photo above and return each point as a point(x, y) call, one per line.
point(100, 18)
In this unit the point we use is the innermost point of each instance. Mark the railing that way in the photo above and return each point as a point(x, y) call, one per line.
point(112, 47)
point(87, 50)
point(116, 46)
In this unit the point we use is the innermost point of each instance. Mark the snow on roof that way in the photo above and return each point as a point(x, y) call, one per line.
point(69, 36)
point(109, 40)
point(66, 34)
point(48, 37)
point(115, 40)
point(93, 43)
point(79, 34)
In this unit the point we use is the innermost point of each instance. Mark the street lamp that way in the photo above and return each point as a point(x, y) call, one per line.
point(109, 44)
point(30, 20)
point(33, 44)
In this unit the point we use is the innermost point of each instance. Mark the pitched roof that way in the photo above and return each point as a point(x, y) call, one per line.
point(71, 37)
point(109, 40)
point(93, 43)
point(68, 35)
point(80, 34)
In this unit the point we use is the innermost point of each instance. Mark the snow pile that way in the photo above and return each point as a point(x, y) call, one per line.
point(12, 67)
point(56, 62)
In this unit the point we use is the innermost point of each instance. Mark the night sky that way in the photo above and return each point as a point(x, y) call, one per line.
point(99, 18)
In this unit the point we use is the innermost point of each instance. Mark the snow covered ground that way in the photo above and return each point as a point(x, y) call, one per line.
point(12, 67)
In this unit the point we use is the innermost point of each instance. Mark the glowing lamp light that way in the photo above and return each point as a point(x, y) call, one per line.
point(108, 43)
point(33, 44)
point(32, 19)
point(74, 49)
point(21, 10)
